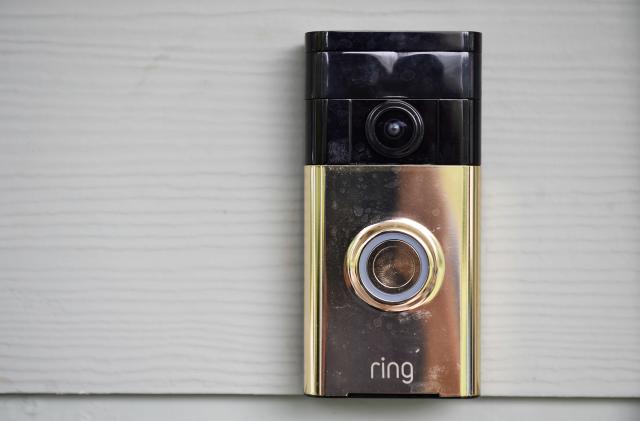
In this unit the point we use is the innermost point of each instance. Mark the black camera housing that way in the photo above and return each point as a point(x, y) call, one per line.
point(350, 74)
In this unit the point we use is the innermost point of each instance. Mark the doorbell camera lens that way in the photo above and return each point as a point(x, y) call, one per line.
point(394, 129)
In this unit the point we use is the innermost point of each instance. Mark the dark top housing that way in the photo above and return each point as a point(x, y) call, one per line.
point(392, 41)
point(434, 74)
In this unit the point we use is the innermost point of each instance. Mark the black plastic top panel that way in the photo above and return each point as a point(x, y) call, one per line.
point(393, 41)
point(410, 65)
point(389, 74)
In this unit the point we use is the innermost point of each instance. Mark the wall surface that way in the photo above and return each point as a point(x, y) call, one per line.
point(151, 176)
point(272, 408)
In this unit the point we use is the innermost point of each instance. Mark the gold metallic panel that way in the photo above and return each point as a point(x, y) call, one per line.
point(313, 269)
point(356, 345)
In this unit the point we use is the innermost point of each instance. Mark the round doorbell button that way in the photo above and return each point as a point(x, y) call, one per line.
point(395, 265)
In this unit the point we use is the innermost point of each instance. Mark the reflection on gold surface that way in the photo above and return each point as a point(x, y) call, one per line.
point(449, 204)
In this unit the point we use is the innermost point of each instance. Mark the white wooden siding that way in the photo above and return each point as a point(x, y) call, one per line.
point(151, 176)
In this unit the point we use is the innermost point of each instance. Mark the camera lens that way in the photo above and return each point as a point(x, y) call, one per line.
point(394, 129)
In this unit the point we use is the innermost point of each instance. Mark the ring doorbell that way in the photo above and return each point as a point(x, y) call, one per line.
point(392, 181)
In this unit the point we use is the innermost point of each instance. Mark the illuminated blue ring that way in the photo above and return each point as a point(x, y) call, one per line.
point(376, 292)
